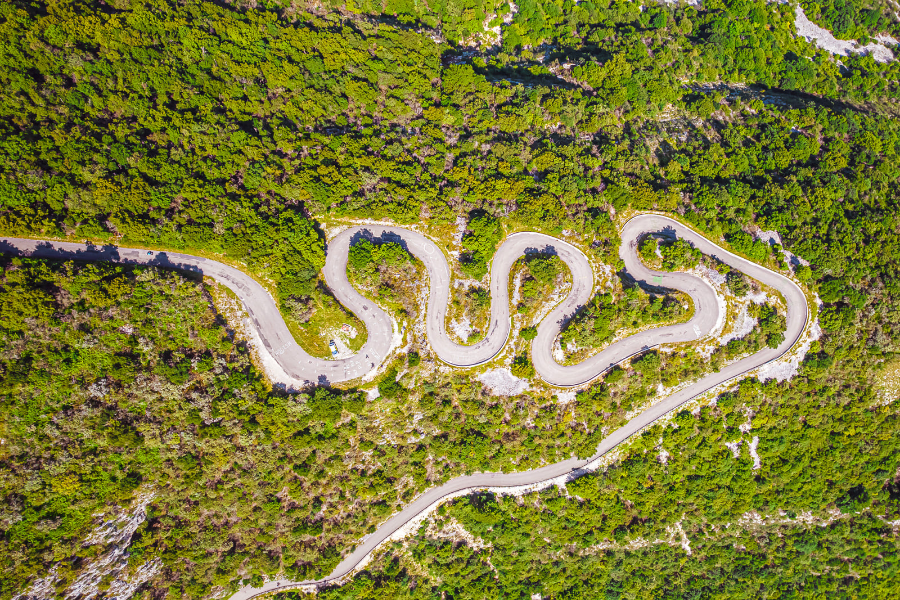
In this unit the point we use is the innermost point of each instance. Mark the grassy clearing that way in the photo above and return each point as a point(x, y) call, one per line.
point(318, 319)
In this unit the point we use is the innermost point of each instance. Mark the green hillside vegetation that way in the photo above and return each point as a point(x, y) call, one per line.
point(310, 130)
point(118, 381)
point(240, 129)
point(609, 314)
point(387, 273)
point(854, 19)
point(824, 495)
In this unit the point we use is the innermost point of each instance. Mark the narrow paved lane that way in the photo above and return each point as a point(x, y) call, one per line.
point(261, 307)
point(298, 364)
point(706, 308)
point(435, 262)
point(705, 317)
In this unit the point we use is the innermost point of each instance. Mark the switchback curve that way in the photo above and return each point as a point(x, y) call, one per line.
point(634, 229)
point(298, 364)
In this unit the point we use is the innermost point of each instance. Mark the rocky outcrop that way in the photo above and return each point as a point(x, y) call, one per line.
point(109, 576)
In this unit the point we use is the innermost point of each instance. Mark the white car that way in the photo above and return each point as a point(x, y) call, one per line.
point(333, 347)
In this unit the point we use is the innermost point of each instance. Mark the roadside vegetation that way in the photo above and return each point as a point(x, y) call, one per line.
point(537, 282)
point(669, 255)
point(387, 273)
point(483, 234)
point(232, 130)
point(317, 318)
point(468, 314)
point(535, 278)
point(618, 314)
point(473, 308)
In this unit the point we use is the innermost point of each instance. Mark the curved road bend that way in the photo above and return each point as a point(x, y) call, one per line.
point(435, 263)
point(299, 364)
point(797, 315)
point(706, 309)
point(276, 337)
point(260, 306)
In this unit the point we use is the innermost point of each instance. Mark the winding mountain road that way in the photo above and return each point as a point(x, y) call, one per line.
point(299, 365)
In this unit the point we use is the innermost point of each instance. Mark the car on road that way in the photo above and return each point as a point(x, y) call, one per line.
point(333, 347)
point(150, 253)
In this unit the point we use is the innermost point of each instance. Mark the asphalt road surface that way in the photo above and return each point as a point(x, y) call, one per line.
point(438, 270)
point(298, 364)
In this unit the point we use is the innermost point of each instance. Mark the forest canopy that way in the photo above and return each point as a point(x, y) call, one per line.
point(243, 130)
